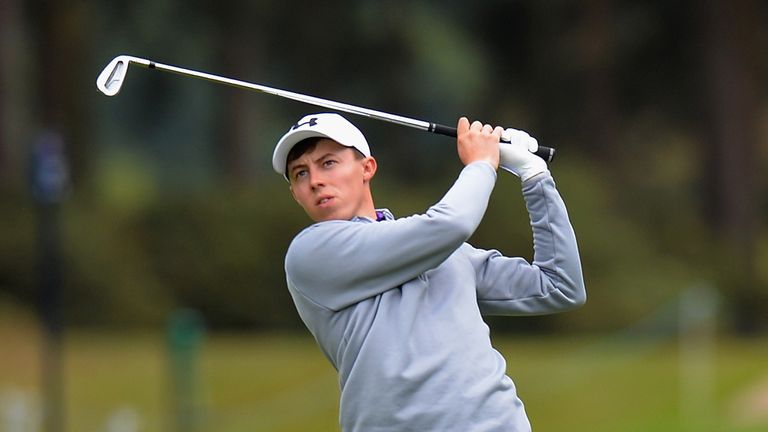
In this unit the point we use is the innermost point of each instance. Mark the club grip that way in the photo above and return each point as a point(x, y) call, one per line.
point(546, 153)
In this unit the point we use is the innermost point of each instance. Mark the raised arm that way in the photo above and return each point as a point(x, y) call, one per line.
point(338, 263)
point(554, 281)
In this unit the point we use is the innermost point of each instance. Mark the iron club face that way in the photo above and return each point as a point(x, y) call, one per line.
point(111, 79)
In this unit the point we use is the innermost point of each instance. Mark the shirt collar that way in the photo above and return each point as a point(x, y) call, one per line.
point(384, 214)
point(381, 215)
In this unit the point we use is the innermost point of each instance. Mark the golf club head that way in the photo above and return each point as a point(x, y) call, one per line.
point(110, 80)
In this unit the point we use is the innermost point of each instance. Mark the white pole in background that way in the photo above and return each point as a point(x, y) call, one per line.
point(698, 316)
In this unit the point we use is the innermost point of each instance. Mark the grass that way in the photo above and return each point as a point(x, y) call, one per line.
point(279, 382)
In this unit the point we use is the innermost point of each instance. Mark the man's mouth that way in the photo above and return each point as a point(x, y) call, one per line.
point(324, 200)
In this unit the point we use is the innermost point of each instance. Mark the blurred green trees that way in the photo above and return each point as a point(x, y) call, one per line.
point(658, 111)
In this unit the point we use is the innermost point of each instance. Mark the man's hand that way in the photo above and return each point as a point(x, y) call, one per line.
point(516, 157)
point(478, 142)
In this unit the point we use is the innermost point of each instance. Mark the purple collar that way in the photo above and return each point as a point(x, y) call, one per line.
point(383, 215)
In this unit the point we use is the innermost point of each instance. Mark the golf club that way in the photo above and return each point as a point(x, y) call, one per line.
point(111, 79)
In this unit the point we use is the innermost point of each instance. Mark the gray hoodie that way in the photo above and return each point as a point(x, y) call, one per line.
point(397, 305)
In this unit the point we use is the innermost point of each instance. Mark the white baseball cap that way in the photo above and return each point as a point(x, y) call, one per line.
point(325, 125)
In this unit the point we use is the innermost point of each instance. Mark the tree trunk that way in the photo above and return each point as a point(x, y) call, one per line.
point(240, 43)
point(599, 114)
point(7, 15)
point(730, 56)
point(59, 43)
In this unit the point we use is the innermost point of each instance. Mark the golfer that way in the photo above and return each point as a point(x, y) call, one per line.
point(396, 304)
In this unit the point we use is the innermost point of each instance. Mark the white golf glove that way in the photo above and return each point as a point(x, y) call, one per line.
point(517, 156)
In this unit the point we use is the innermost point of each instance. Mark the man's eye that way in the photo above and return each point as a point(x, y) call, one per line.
point(329, 162)
point(299, 174)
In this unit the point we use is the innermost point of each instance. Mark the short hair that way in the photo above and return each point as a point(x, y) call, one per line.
point(307, 145)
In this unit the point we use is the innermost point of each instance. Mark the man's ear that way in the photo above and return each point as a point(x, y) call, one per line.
point(369, 168)
point(293, 194)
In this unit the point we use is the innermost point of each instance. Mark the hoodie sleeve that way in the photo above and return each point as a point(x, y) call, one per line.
point(553, 282)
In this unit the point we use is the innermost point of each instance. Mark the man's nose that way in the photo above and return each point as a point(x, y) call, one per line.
point(316, 179)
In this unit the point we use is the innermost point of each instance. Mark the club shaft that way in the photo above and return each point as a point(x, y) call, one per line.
point(325, 103)
point(545, 153)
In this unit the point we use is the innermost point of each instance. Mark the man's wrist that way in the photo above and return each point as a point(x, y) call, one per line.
point(536, 177)
point(483, 162)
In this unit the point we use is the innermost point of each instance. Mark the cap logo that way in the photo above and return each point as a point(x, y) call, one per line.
point(311, 122)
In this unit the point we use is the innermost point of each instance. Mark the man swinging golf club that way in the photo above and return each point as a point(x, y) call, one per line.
point(396, 305)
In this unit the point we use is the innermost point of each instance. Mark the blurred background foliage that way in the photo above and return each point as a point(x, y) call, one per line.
point(658, 110)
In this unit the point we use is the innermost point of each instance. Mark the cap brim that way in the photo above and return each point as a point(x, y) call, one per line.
point(280, 156)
